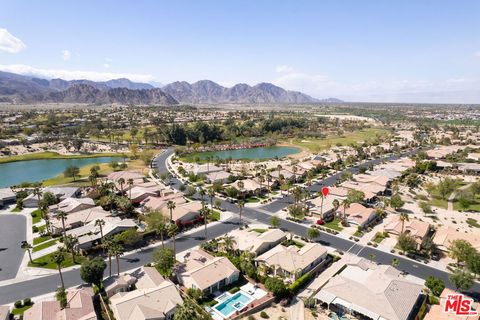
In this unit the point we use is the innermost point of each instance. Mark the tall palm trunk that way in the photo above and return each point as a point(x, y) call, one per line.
point(109, 265)
point(61, 276)
point(117, 257)
point(161, 238)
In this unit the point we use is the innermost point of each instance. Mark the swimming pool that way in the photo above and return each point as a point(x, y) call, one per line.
point(235, 303)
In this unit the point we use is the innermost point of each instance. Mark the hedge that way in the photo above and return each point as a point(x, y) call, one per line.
point(300, 282)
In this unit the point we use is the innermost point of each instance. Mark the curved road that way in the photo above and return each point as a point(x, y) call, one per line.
point(43, 285)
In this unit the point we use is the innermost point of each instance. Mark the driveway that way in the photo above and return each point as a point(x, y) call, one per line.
point(12, 232)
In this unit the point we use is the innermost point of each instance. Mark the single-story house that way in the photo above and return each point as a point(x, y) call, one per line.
point(359, 215)
point(160, 203)
point(137, 194)
point(255, 242)
point(136, 176)
point(372, 291)
point(206, 272)
point(7, 196)
point(291, 262)
point(416, 228)
point(79, 307)
point(250, 186)
point(116, 284)
point(469, 168)
point(157, 302)
point(89, 234)
point(323, 207)
point(4, 313)
point(71, 205)
point(78, 218)
point(185, 213)
point(206, 168)
point(445, 235)
point(217, 176)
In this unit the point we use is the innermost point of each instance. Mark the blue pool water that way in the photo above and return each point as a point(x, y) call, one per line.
point(236, 302)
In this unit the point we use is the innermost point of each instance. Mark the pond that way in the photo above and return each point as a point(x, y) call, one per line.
point(13, 173)
point(246, 154)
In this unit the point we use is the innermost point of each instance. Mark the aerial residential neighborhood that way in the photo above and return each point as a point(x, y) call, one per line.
point(330, 169)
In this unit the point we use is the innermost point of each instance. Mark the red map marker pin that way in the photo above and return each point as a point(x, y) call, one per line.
point(325, 191)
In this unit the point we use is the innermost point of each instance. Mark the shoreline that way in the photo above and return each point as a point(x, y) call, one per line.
point(51, 155)
point(304, 151)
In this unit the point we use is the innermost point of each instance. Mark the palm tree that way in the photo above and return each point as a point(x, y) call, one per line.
point(70, 243)
point(403, 218)
point(204, 212)
point(28, 247)
point(228, 243)
point(269, 179)
point(100, 223)
point(211, 194)
point(346, 204)
point(171, 205)
point(37, 192)
point(61, 215)
point(121, 182)
point(130, 185)
point(320, 194)
point(241, 185)
point(58, 257)
point(202, 193)
point(279, 168)
point(161, 228)
point(241, 204)
point(108, 243)
point(172, 232)
point(117, 250)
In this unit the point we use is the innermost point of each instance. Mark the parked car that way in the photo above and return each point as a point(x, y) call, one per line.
point(320, 222)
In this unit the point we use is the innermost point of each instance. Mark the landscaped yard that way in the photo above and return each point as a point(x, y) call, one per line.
point(20, 311)
point(335, 224)
point(214, 215)
point(36, 216)
point(45, 245)
point(41, 239)
point(379, 236)
point(474, 206)
point(45, 261)
point(473, 223)
point(317, 145)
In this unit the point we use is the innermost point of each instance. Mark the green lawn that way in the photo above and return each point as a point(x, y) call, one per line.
point(45, 262)
point(474, 206)
point(379, 236)
point(252, 200)
point(473, 223)
point(54, 155)
point(334, 224)
point(214, 215)
point(41, 239)
point(44, 245)
point(16, 209)
point(317, 145)
point(437, 201)
point(20, 311)
point(40, 229)
point(36, 216)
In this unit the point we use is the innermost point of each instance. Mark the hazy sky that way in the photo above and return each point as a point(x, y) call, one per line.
point(359, 50)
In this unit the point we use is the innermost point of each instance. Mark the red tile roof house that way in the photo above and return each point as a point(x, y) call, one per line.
point(416, 228)
point(359, 215)
point(79, 307)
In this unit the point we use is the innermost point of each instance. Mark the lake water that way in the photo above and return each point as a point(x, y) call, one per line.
point(37, 170)
point(249, 154)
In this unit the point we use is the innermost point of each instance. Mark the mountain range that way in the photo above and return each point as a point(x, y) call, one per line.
point(15, 88)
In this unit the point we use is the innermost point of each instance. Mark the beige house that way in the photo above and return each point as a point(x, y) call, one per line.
point(136, 176)
point(160, 203)
point(4, 313)
point(291, 262)
point(79, 218)
point(377, 292)
point(255, 242)
point(70, 205)
point(159, 302)
point(79, 307)
point(416, 228)
point(359, 215)
point(116, 284)
point(206, 272)
point(185, 213)
point(445, 235)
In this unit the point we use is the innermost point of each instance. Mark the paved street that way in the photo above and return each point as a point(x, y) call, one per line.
point(12, 233)
point(47, 284)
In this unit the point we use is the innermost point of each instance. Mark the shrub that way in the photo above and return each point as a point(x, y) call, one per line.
point(18, 304)
point(27, 302)
point(300, 282)
point(234, 290)
point(34, 229)
point(264, 315)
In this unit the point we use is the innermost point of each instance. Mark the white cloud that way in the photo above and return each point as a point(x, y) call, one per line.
point(10, 43)
point(106, 65)
point(477, 54)
point(457, 89)
point(283, 69)
point(66, 55)
point(73, 74)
